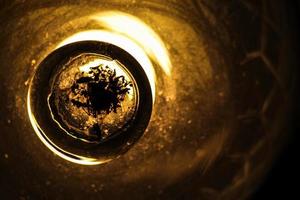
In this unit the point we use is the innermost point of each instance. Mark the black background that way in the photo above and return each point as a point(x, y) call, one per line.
point(283, 180)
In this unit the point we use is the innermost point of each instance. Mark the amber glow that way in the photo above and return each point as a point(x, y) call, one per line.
point(122, 42)
point(55, 149)
point(132, 35)
point(139, 32)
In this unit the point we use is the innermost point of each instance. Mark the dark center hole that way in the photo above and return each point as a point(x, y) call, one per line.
point(99, 91)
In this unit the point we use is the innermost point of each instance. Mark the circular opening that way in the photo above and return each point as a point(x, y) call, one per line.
point(89, 101)
point(93, 97)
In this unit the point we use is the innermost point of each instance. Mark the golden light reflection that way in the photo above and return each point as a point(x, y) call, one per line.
point(55, 149)
point(132, 35)
point(139, 32)
point(121, 41)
